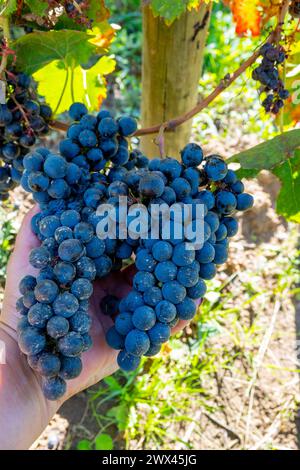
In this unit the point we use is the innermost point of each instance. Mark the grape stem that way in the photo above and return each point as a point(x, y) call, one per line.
point(171, 125)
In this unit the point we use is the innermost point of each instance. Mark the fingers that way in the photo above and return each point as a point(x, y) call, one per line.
point(25, 241)
point(180, 326)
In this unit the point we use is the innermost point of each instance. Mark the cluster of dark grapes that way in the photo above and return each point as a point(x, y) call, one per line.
point(22, 120)
point(268, 75)
point(94, 167)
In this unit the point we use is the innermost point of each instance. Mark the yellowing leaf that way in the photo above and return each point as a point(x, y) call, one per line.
point(62, 86)
point(247, 16)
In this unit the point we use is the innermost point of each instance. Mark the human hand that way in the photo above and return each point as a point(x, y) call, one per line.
point(21, 397)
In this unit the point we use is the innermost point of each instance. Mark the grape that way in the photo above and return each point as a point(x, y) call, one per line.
point(267, 74)
point(29, 299)
point(173, 292)
point(82, 288)
point(143, 281)
point(144, 318)
point(84, 232)
point(192, 155)
point(77, 110)
point(85, 268)
point(186, 309)
point(166, 271)
point(137, 342)
point(28, 283)
point(165, 311)
point(63, 233)
point(55, 166)
point(53, 388)
point(215, 168)
point(182, 255)
point(87, 138)
point(159, 333)
point(33, 161)
point(151, 185)
point(188, 275)
point(162, 251)
point(65, 304)
point(103, 265)
point(225, 202)
point(71, 344)
point(152, 296)
point(231, 226)
point(46, 291)
point(244, 202)
point(181, 187)
point(70, 250)
point(39, 314)
point(134, 300)
point(127, 361)
point(31, 341)
point(94, 167)
point(39, 257)
point(221, 233)
point(64, 272)
point(127, 126)
point(71, 367)
point(48, 225)
point(207, 271)
point(107, 127)
point(114, 339)
point(48, 365)
point(57, 327)
point(80, 322)
point(145, 261)
point(206, 254)
point(37, 181)
point(221, 253)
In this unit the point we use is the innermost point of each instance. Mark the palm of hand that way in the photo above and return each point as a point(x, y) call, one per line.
point(100, 360)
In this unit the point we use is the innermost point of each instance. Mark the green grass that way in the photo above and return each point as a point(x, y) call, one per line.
point(155, 407)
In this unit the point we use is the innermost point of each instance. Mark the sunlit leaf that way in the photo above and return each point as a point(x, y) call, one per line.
point(62, 85)
point(246, 15)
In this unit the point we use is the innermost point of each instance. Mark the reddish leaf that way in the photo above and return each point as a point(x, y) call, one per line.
point(247, 16)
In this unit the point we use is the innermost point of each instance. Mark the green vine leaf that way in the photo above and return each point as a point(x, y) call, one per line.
point(37, 7)
point(8, 7)
point(34, 51)
point(288, 200)
point(170, 10)
point(104, 442)
point(269, 154)
point(62, 85)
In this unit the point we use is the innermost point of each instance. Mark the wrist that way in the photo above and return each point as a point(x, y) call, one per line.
point(21, 398)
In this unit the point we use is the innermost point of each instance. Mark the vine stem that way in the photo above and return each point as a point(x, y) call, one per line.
point(171, 125)
point(6, 36)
